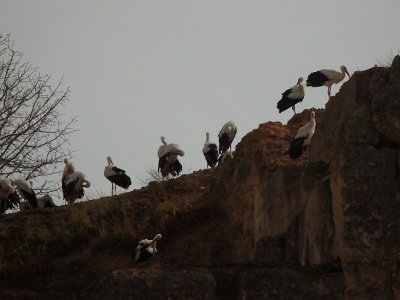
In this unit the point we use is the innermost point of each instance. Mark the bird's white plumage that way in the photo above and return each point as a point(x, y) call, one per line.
point(151, 245)
point(163, 149)
point(6, 189)
point(226, 136)
point(229, 129)
point(23, 187)
point(175, 149)
point(80, 180)
point(307, 131)
point(108, 170)
point(207, 144)
point(6, 186)
point(68, 169)
point(333, 75)
point(166, 148)
point(297, 91)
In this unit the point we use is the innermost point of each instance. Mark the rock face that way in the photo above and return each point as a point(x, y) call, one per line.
point(137, 284)
point(363, 158)
point(261, 226)
point(332, 219)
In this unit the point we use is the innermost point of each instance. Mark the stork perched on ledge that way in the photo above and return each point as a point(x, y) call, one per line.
point(226, 136)
point(210, 151)
point(73, 182)
point(8, 195)
point(327, 78)
point(302, 138)
point(43, 202)
point(26, 191)
point(145, 249)
point(291, 97)
point(116, 176)
point(168, 162)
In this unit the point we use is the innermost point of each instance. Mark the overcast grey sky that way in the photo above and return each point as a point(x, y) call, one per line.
point(141, 69)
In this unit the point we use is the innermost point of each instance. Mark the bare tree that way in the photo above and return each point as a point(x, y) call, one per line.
point(151, 175)
point(33, 137)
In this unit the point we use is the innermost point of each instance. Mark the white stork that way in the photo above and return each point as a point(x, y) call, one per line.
point(26, 191)
point(116, 175)
point(226, 136)
point(43, 202)
point(210, 151)
point(168, 162)
point(327, 78)
point(8, 196)
point(68, 170)
point(291, 97)
point(73, 184)
point(146, 248)
point(302, 138)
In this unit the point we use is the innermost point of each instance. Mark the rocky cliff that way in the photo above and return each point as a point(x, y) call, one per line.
point(260, 226)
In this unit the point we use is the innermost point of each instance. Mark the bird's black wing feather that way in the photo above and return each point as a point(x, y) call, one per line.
point(316, 79)
point(286, 103)
point(12, 201)
point(212, 155)
point(31, 197)
point(161, 162)
point(224, 143)
point(296, 147)
point(286, 93)
point(118, 170)
point(176, 167)
point(122, 180)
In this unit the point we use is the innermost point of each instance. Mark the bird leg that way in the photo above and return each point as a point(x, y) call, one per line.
point(294, 109)
point(329, 91)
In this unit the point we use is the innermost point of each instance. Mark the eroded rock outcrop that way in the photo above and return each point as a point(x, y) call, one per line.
point(324, 227)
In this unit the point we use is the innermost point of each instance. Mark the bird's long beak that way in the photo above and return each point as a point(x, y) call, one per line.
point(347, 73)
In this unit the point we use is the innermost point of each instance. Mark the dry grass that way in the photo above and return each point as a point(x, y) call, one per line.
point(108, 224)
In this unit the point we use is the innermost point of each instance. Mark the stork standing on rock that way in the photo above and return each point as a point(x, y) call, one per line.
point(302, 138)
point(116, 176)
point(210, 151)
point(8, 196)
point(226, 136)
point(168, 162)
point(73, 186)
point(68, 170)
point(291, 97)
point(72, 183)
point(327, 78)
point(26, 191)
point(146, 248)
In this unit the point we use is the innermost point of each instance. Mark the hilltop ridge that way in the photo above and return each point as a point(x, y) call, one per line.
point(259, 226)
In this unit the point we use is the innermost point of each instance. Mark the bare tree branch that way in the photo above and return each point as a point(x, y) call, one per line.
point(33, 136)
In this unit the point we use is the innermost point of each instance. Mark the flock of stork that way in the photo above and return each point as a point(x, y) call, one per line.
point(73, 182)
